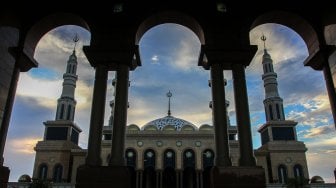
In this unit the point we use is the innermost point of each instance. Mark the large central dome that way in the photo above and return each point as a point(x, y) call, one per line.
point(169, 120)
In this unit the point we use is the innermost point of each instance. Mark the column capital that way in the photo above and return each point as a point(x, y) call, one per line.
point(24, 61)
point(318, 59)
point(225, 56)
point(111, 57)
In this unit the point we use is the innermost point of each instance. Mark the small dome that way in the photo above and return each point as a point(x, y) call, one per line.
point(133, 127)
point(24, 178)
point(316, 179)
point(177, 123)
point(206, 127)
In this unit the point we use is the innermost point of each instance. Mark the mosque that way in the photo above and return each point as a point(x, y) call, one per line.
point(171, 152)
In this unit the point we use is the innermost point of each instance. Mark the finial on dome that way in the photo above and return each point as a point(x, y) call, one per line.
point(263, 38)
point(75, 39)
point(169, 94)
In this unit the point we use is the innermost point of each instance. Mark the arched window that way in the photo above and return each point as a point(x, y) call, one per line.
point(189, 158)
point(43, 172)
point(73, 69)
point(62, 111)
point(265, 68)
point(208, 158)
point(282, 174)
point(298, 172)
point(130, 156)
point(58, 172)
point(149, 158)
point(69, 112)
point(270, 112)
point(169, 159)
point(277, 111)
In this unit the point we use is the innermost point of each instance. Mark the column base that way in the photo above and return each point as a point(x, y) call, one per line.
point(4, 176)
point(103, 177)
point(251, 177)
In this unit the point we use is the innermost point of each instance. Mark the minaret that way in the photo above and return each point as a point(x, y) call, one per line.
point(169, 95)
point(61, 135)
point(232, 130)
point(276, 127)
point(280, 154)
point(66, 104)
point(63, 127)
point(273, 103)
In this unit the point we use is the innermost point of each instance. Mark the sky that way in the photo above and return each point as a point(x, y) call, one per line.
point(169, 54)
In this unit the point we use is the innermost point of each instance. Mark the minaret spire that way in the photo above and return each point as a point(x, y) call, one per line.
point(169, 94)
point(263, 38)
point(273, 102)
point(66, 103)
point(75, 39)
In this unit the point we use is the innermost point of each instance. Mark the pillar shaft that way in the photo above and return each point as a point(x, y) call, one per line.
point(97, 117)
point(120, 116)
point(331, 89)
point(243, 116)
point(8, 111)
point(219, 117)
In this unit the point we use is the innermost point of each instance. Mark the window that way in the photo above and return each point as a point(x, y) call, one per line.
point(282, 174)
point(169, 158)
point(270, 112)
point(278, 111)
point(130, 156)
point(208, 158)
point(69, 112)
point(43, 172)
point(58, 171)
point(62, 112)
point(298, 172)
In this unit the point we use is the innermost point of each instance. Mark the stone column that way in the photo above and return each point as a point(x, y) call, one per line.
point(97, 117)
point(219, 118)
point(331, 89)
point(120, 116)
point(4, 171)
point(8, 111)
point(243, 116)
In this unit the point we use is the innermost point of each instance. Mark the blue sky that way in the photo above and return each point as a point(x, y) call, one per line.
point(169, 56)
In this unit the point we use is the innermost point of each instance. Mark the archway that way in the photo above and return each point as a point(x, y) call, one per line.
point(149, 174)
point(169, 171)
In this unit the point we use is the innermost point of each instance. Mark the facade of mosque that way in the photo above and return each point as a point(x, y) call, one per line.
point(169, 151)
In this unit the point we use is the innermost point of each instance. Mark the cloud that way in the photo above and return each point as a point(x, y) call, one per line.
point(317, 131)
point(155, 59)
point(23, 145)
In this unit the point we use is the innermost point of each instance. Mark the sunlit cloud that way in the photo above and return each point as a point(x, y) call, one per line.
point(320, 131)
point(23, 145)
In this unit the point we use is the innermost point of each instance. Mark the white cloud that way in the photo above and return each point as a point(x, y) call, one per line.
point(155, 59)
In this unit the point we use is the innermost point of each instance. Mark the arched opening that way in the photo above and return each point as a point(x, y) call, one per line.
point(298, 172)
point(169, 173)
point(149, 174)
point(282, 174)
point(43, 172)
point(208, 162)
point(131, 158)
point(300, 87)
point(58, 173)
point(38, 90)
point(189, 172)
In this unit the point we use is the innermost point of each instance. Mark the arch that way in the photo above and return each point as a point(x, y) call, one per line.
point(188, 128)
point(169, 159)
point(282, 173)
point(206, 127)
point(149, 158)
point(36, 32)
point(58, 173)
point(43, 171)
point(62, 111)
point(298, 171)
point(68, 112)
point(149, 168)
point(208, 156)
point(170, 17)
point(189, 158)
point(295, 22)
point(133, 127)
point(277, 111)
point(131, 157)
